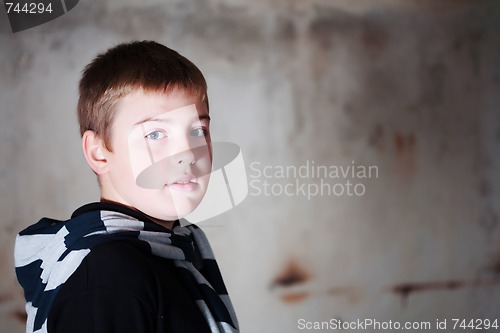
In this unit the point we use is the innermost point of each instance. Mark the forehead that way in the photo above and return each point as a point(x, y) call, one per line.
point(139, 106)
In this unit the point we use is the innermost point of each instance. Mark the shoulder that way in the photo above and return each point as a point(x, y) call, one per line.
point(120, 266)
point(113, 289)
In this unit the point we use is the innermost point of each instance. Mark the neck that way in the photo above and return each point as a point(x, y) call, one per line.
point(163, 223)
point(166, 224)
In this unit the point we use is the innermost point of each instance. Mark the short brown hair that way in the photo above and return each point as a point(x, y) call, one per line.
point(126, 68)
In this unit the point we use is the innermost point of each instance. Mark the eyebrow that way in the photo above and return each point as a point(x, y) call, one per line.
point(162, 120)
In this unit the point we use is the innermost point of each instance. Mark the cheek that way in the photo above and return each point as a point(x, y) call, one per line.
point(122, 169)
point(139, 153)
point(203, 156)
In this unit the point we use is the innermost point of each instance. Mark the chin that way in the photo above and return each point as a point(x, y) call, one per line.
point(178, 211)
point(185, 203)
point(184, 211)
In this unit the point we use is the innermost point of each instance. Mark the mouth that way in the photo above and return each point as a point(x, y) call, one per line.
point(185, 183)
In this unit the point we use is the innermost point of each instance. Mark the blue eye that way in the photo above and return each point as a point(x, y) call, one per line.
point(156, 135)
point(200, 131)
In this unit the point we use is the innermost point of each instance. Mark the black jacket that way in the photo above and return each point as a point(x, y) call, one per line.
point(120, 288)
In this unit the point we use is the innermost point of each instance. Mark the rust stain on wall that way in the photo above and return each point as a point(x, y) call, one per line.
point(405, 289)
point(20, 315)
point(404, 143)
point(292, 274)
point(405, 149)
point(289, 283)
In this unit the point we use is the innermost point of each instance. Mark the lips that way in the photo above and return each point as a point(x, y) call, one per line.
point(185, 183)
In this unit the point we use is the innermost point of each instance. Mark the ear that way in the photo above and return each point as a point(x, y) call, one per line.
point(95, 151)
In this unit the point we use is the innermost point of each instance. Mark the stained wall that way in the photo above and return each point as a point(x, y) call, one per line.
point(408, 88)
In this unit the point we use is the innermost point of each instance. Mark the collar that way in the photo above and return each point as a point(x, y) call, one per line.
point(119, 208)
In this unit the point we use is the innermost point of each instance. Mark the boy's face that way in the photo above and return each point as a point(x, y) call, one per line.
point(161, 155)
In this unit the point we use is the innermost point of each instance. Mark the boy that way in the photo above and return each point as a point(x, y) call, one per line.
point(125, 264)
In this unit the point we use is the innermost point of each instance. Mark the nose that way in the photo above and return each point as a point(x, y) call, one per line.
point(185, 158)
point(184, 153)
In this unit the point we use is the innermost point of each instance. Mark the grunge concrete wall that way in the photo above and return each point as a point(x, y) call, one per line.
point(409, 87)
